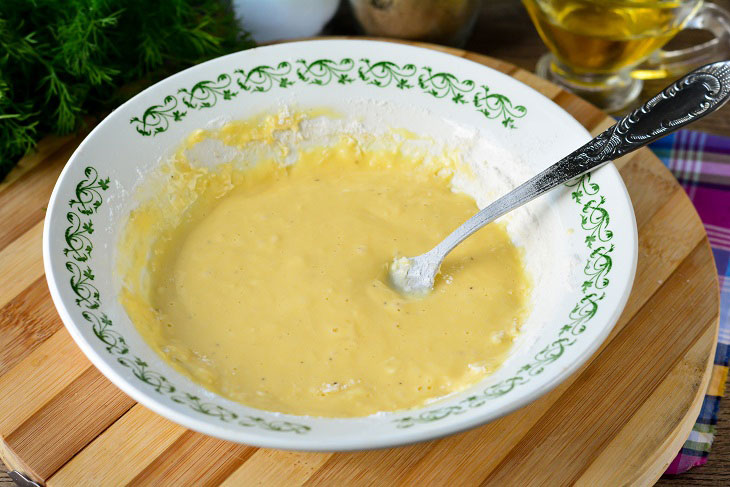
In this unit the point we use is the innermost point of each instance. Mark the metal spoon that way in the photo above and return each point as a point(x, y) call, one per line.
point(695, 95)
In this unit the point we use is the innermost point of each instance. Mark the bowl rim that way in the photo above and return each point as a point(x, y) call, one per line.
point(302, 443)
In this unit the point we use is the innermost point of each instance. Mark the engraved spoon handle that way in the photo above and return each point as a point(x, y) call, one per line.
point(695, 95)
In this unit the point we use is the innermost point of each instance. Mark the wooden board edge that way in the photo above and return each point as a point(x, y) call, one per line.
point(674, 442)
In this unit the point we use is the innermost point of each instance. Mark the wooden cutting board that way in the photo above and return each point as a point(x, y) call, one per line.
point(619, 420)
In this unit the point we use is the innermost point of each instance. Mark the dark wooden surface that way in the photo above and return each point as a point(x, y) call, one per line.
point(5, 481)
point(504, 31)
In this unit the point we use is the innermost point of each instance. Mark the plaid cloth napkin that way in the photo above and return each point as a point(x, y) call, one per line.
point(701, 163)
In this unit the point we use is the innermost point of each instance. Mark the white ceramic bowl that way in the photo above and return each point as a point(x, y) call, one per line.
point(84, 217)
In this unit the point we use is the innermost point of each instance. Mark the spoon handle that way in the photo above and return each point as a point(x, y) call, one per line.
point(695, 95)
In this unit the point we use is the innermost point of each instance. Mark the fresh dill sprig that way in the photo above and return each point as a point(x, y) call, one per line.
point(63, 59)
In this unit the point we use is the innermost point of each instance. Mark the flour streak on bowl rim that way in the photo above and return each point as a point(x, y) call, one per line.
point(318, 71)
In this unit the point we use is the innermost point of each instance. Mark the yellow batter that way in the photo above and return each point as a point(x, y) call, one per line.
point(268, 284)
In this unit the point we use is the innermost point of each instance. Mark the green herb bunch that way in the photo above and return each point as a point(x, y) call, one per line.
point(63, 59)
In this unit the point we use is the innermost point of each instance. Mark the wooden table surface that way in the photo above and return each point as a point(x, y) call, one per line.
point(504, 31)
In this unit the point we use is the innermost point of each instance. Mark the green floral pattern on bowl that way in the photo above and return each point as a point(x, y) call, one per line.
point(322, 72)
point(96, 187)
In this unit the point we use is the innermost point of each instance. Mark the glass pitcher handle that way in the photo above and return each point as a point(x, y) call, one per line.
point(669, 64)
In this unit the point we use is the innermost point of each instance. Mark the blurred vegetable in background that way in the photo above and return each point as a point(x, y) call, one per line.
point(63, 59)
